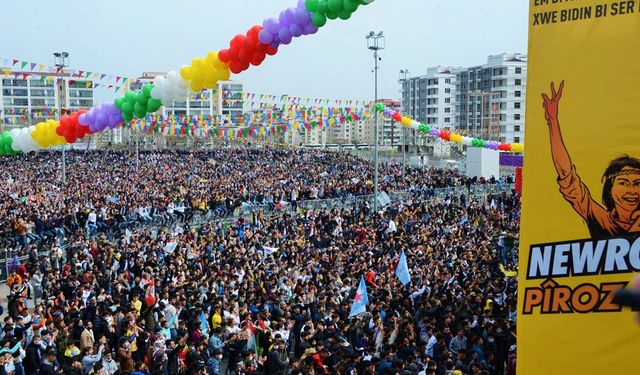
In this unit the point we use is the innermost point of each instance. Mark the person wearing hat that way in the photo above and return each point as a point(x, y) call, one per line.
point(49, 365)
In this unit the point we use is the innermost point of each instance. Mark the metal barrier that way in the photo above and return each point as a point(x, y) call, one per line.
point(248, 209)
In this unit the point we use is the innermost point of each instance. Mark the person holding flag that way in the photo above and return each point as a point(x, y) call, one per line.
point(402, 270)
point(361, 300)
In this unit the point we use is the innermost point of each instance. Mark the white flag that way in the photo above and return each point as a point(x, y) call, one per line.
point(269, 250)
point(170, 247)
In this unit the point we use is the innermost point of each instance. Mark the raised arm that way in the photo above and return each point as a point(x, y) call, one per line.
point(559, 153)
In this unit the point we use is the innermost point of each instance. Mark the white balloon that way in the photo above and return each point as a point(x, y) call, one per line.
point(414, 124)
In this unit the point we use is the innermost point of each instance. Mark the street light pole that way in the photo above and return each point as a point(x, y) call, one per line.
point(62, 61)
point(404, 73)
point(375, 42)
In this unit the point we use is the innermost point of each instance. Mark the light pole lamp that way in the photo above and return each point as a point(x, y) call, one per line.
point(404, 73)
point(61, 60)
point(375, 42)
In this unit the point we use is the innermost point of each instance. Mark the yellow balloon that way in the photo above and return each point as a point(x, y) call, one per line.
point(186, 73)
point(225, 74)
point(212, 57)
point(196, 86)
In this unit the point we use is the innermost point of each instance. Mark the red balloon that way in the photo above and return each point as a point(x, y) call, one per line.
point(257, 58)
point(271, 51)
point(244, 55)
point(70, 139)
point(261, 47)
point(254, 31)
point(445, 135)
point(223, 55)
point(245, 65)
point(250, 44)
point(235, 67)
point(237, 41)
point(397, 116)
point(233, 54)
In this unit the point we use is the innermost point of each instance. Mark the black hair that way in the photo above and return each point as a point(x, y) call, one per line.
point(610, 173)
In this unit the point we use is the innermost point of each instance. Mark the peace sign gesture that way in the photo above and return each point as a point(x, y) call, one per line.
point(551, 105)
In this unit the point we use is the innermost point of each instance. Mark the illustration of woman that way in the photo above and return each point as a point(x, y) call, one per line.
point(621, 191)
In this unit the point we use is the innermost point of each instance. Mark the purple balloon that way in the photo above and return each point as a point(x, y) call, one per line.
point(284, 35)
point(302, 17)
point(435, 132)
point(272, 25)
point(275, 44)
point(115, 120)
point(288, 17)
point(82, 119)
point(295, 30)
point(310, 29)
point(265, 36)
point(387, 112)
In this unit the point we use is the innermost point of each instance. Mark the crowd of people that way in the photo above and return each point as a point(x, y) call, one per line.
point(262, 294)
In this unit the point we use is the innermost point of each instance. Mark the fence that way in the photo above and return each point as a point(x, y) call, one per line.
point(248, 209)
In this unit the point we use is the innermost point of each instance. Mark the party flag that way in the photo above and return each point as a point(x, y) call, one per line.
point(402, 271)
point(269, 250)
point(361, 299)
point(150, 296)
point(204, 326)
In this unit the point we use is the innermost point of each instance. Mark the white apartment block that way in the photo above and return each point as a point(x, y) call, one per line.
point(490, 98)
point(430, 99)
point(486, 101)
point(27, 100)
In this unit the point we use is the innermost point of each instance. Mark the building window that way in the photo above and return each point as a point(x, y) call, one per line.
point(447, 110)
point(447, 100)
point(518, 70)
point(516, 139)
point(518, 94)
point(516, 128)
point(447, 91)
point(516, 105)
point(503, 117)
point(518, 82)
point(516, 116)
point(447, 119)
point(448, 80)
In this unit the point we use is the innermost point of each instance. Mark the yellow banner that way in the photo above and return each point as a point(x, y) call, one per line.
point(581, 188)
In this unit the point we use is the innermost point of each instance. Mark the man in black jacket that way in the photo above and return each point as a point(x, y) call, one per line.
point(49, 365)
point(33, 357)
point(278, 361)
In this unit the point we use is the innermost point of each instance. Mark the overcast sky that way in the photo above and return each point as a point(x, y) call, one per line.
point(127, 37)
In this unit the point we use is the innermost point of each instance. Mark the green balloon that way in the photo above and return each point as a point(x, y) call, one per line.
point(422, 128)
point(344, 15)
point(332, 15)
point(318, 19)
point(146, 90)
point(141, 99)
point(350, 5)
point(140, 108)
point(153, 105)
point(322, 6)
point(127, 116)
point(127, 108)
point(481, 142)
point(119, 102)
point(334, 5)
point(130, 96)
point(139, 114)
point(311, 5)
